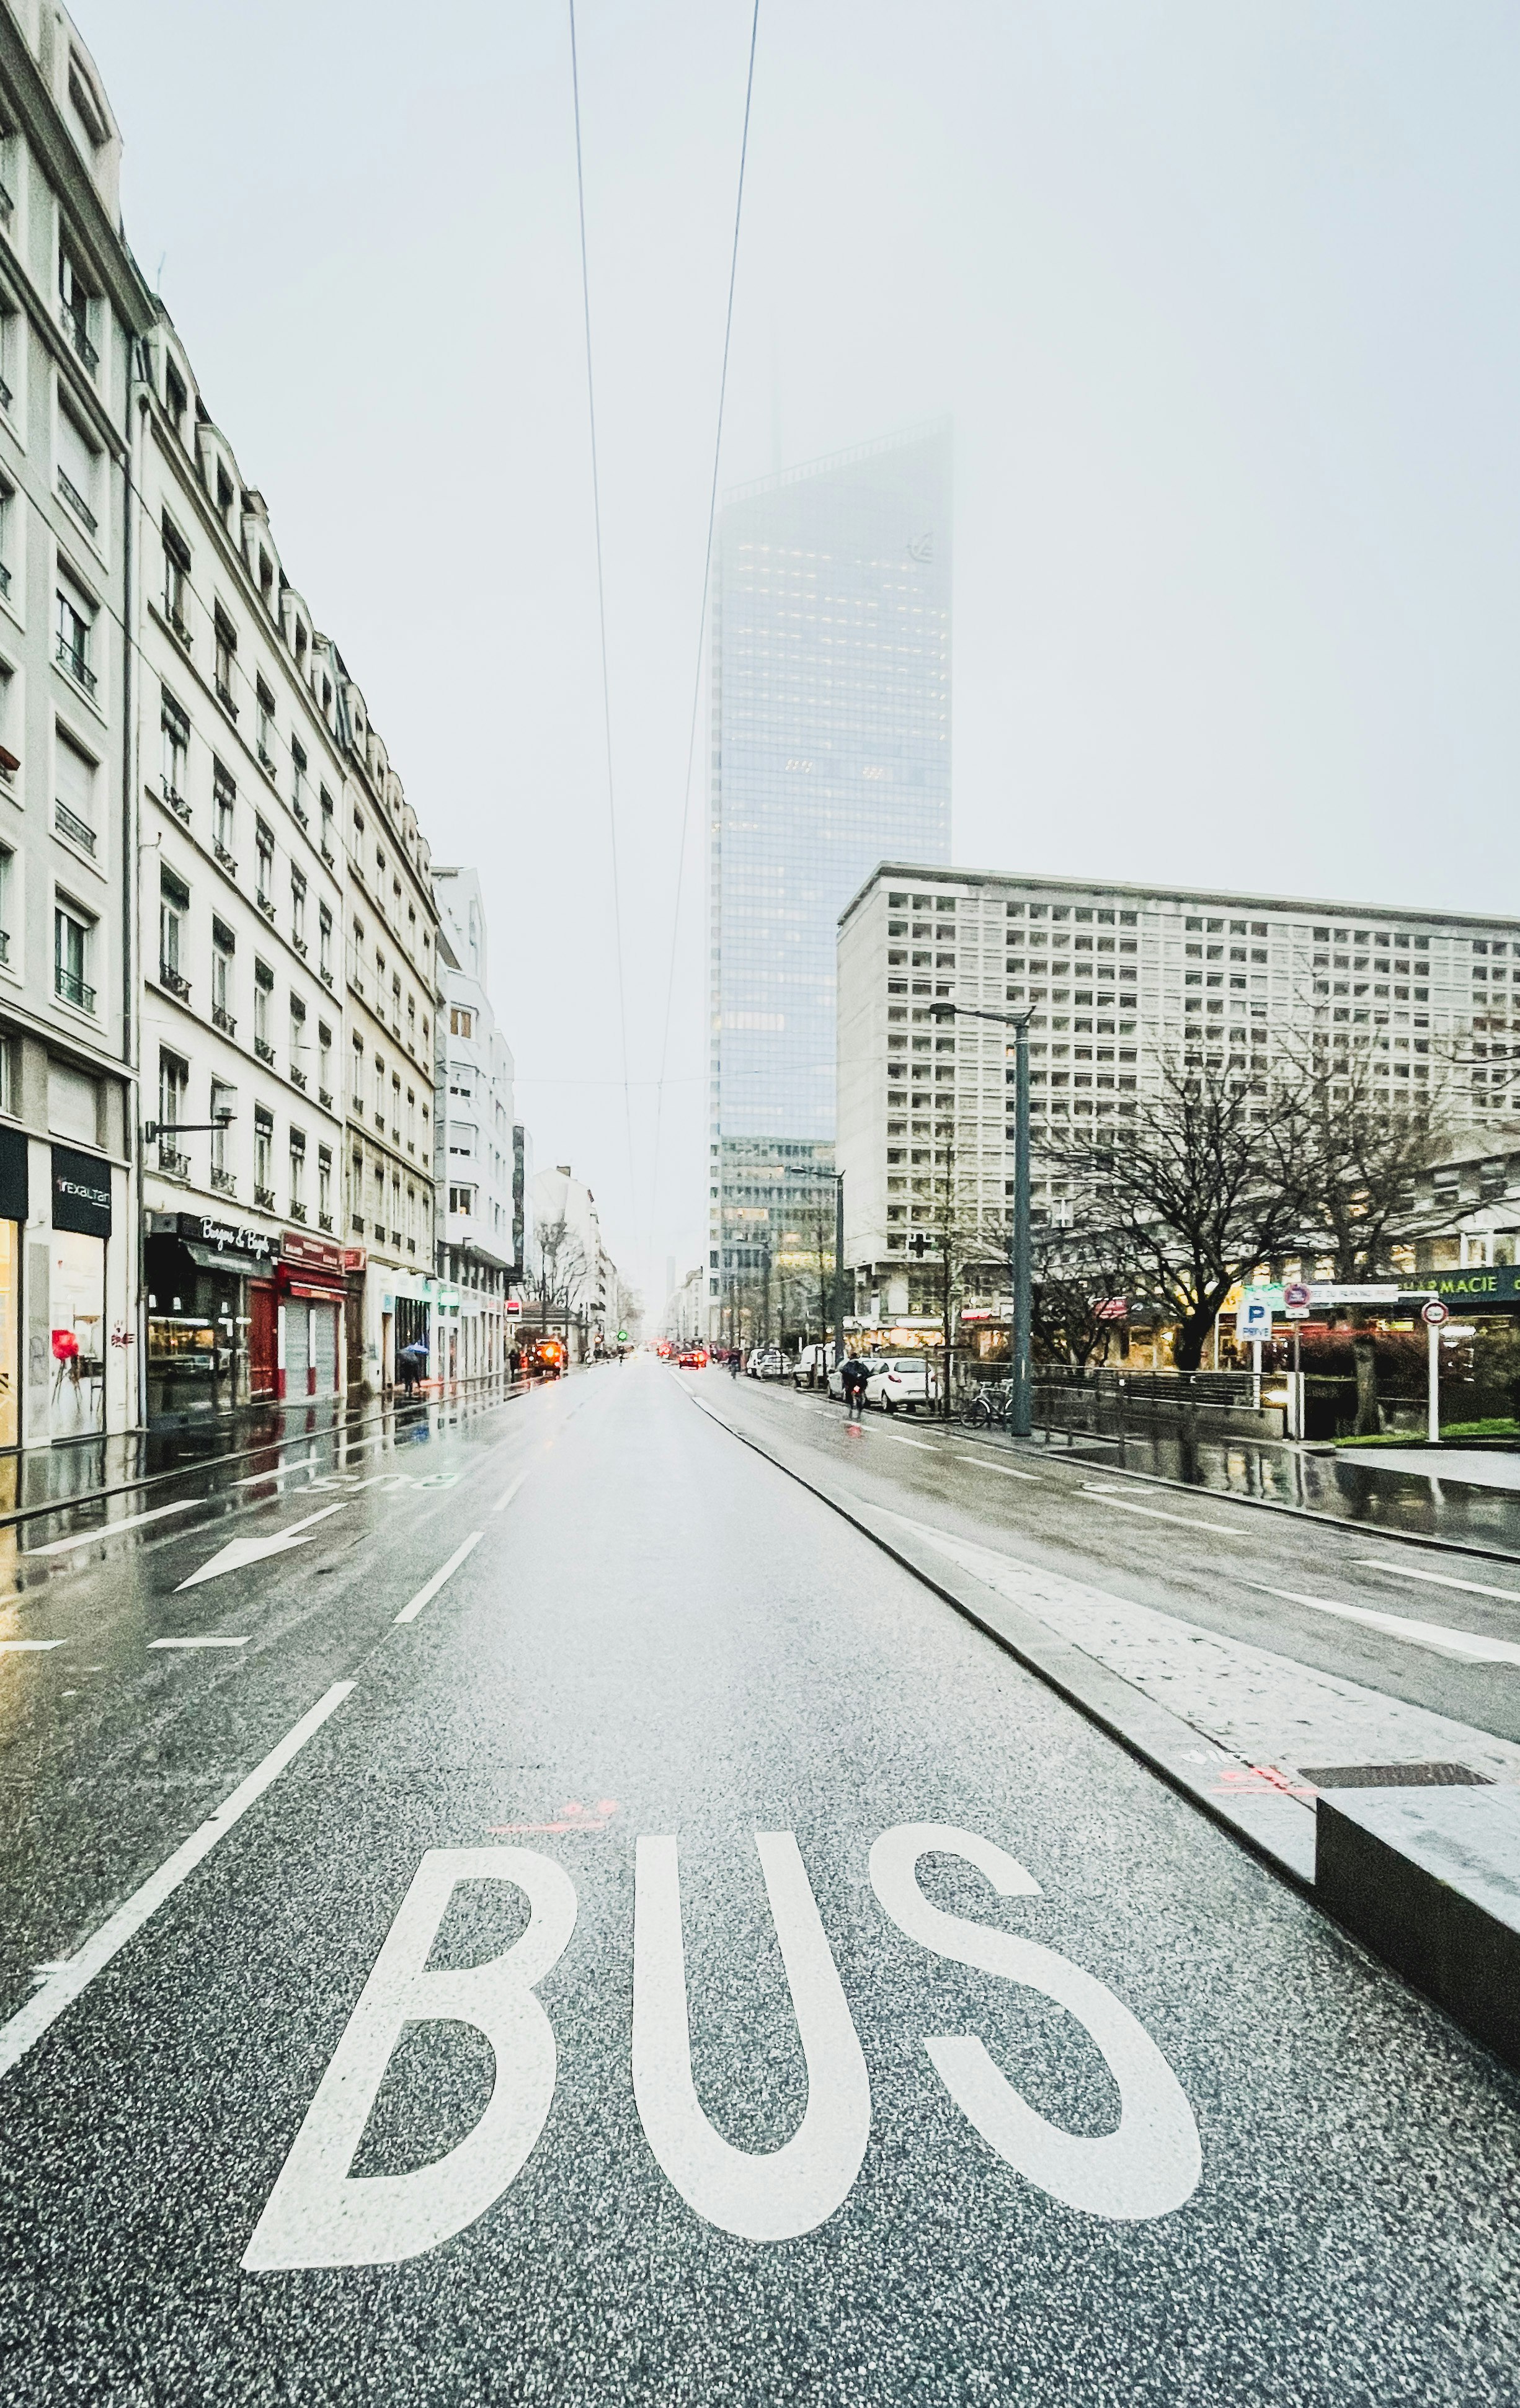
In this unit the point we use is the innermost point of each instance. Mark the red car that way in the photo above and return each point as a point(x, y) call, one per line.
point(695, 1358)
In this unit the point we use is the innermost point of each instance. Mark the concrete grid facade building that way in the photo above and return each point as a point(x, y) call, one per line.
point(830, 746)
point(71, 305)
point(1117, 979)
point(479, 1169)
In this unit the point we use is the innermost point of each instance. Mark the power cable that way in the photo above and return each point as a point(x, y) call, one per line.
point(601, 612)
point(702, 615)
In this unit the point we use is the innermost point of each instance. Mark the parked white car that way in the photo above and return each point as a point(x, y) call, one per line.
point(767, 1363)
point(898, 1385)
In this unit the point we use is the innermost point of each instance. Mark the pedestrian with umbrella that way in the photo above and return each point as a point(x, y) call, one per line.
point(413, 1364)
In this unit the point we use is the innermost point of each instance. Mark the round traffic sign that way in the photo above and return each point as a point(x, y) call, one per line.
point(1434, 1312)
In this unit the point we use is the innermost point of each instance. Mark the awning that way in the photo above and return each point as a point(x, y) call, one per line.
point(222, 1258)
point(333, 1294)
point(328, 1289)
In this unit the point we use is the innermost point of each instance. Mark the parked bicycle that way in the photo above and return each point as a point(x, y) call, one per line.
point(987, 1409)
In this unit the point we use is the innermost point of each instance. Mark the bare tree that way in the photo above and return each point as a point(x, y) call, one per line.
point(1194, 1183)
point(1077, 1272)
point(557, 1270)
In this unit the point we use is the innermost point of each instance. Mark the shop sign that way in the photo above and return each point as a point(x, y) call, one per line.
point(977, 1312)
point(312, 1253)
point(514, 1304)
point(1368, 1292)
point(1112, 1308)
point(14, 1193)
point(81, 1193)
point(1480, 1283)
point(353, 1258)
point(225, 1239)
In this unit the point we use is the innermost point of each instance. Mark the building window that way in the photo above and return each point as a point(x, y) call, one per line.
point(358, 1074)
point(173, 906)
point(380, 1093)
point(297, 1159)
point(175, 397)
point(325, 1064)
point(462, 1200)
point(8, 862)
point(75, 303)
point(461, 1024)
point(224, 812)
point(298, 782)
point(174, 770)
point(327, 850)
point(299, 1044)
point(223, 1109)
point(173, 1108)
point(74, 808)
point(76, 630)
point(177, 582)
point(264, 705)
point(324, 944)
point(79, 470)
point(265, 884)
point(264, 983)
point(298, 911)
point(72, 933)
point(224, 977)
point(325, 1187)
point(225, 641)
point(263, 1158)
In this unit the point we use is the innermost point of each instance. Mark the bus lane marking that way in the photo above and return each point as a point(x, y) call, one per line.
point(430, 1588)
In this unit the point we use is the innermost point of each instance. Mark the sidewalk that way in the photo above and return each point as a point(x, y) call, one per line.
point(1465, 1498)
point(46, 1479)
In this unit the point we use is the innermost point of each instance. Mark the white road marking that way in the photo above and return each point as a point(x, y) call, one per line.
point(1468, 1646)
point(762, 2195)
point(251, 1479)
point(63, 1987)
point(1153, 1513)
point(507, 1493)
point(197, 1642)
point(318, 2215)
point(922, 1443)
point(431, 1588)
point(109, 1529)
point(1396, 1570)
point(241, 1552)
point(1007, 1469)
point(28, 1646)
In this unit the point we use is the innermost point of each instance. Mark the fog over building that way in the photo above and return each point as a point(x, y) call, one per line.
point(830, 730)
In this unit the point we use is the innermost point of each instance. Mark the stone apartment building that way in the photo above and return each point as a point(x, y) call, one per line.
point(479, 1164)
point(71, 306)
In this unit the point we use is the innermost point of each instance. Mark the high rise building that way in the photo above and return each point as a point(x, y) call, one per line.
point(830, 751)
point(478, 1170)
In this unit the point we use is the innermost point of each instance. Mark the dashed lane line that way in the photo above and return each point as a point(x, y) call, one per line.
point(206, 1640)
point(508, 1493)
point(1006, 1469)
point(1466, 1646)
point(922, 1443)
point(430, 1588)
point(1396, 1570)
point(1153, 1513)
point(66, 1981)
point(28, 1646)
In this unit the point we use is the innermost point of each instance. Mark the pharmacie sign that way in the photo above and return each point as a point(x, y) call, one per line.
point(1478, 1285)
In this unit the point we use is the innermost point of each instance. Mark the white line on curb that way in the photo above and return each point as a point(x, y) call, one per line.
point(62, 1986)
point(431, 1588)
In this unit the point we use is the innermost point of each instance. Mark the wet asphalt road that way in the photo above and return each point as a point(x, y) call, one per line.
point(1208, 2153)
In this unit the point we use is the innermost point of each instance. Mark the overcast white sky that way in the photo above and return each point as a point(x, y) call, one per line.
point(1223, 301)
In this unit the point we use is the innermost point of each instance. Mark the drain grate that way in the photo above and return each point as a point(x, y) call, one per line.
point(1395, 1776)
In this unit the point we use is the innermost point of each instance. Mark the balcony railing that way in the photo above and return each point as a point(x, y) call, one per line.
point(262, 1048)
point(224, 696)
point(302, 814)
point(228, 860)
point(356, 1223)
point(330, 857)
point(7, 206)
point(70, 657)
point(324, 1221)
point(266, 904)
point(301, 946)
point(73, 324)
point(73, 988)
point(170, 978)
point(267, 761)
point(5, 946)
point(76, 500)
point(298, 1078)
point(174, 800)
point(178, 627)
point(224, 1181)
point(324, 1095)
point(297, 1211)
point(70, 825)
point(9, 766)
point(176, 1165)
point(325, 974)
point(264, 1199)
point(222, 1018)
point(5, 573)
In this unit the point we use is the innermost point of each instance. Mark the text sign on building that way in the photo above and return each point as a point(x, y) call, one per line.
point(1480, 1283)
point(81, 1193)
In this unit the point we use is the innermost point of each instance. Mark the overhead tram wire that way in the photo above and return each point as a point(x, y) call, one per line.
point(702, 615)
point(601, 613)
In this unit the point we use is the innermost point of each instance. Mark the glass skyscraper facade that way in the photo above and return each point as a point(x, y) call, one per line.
point(831, 753)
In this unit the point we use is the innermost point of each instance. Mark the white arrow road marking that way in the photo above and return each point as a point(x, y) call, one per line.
point(1397, 1569)
point(1153, 1513)
point(109, 1529)
point(62, 1986)
point(197, 1642)
point(239, 1552)
point(27, 1646)
point(1468, 1646)
point(431, 1588)
point(1006, 1469)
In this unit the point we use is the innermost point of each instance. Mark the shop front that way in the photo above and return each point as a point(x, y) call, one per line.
point(313, 1290)
point(81, 1231)
point(13, 1211)
point(212, 1327)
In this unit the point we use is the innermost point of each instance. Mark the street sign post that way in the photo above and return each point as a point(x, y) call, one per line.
point(1435, 1316)
point(1296, 1306)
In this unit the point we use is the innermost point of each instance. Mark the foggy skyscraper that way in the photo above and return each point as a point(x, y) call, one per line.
point(830, 733)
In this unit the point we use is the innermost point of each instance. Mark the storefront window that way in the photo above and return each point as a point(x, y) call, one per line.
point(78, 1308)
point(10, 1256)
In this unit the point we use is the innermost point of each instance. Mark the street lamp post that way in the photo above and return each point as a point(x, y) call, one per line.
point(1021, 1407)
